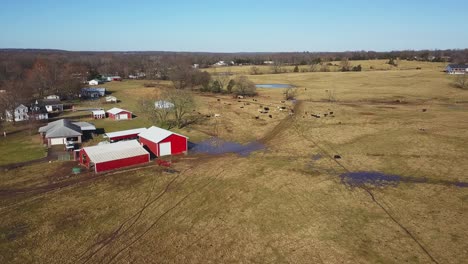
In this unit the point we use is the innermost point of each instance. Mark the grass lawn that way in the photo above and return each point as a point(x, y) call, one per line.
point(20, 147)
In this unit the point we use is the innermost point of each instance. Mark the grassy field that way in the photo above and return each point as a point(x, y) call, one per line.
point(289, 203)
point(367, 65)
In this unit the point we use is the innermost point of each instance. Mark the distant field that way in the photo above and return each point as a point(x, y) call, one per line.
point(290, 203)
point(367, 65)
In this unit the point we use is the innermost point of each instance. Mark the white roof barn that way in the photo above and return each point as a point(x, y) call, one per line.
point(116, 111)
point(116, 151)
point(156, 134)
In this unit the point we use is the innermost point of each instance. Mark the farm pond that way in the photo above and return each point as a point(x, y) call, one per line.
point(273, 85)
point(216, 146)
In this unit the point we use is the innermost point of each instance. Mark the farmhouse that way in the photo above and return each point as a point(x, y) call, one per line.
point(98, 114)
point(19, 114)
point(163, 142)
point(113, 156)
point(124, 135)
point(93, 92)
point(457, 69)
point(39, 112)
point(64, 132)
point(119, 114)
point(51, 105)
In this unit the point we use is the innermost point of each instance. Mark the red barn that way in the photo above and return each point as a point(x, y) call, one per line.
point(119, 114)
point(124, 135)
point(163, 142)
point(113, 156)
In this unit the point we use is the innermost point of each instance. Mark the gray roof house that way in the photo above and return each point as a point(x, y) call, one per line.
point(93, 92)
point(64, 131)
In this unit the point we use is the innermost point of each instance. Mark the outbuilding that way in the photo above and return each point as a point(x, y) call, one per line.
point(124, 134)
point(162, 142)
point(113, 156)
point(119, 114)
point(98, 114)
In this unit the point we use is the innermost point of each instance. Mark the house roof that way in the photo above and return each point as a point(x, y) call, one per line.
point(462, 66)
point(65, 128)
point(157, 134)
point(61, 128)
point(94, 89)
point(21, 106)
point(48, 102)
point(85, 125)
point(125, 132)
point(98, 112)
point(115, 151)
point(116, 110)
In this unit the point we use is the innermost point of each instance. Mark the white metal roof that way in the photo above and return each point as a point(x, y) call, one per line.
point(156, 134)
point(98, 112)
point(85, 125)
point(125, 132)
point(116, 110)
point(115, 151)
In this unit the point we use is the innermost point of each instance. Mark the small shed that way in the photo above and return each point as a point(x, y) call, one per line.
point(98, 114)
point(162, 142)
point(113, 156)
point(124, 134)
point(93, 82)
point(111, 99)
point(119, 114)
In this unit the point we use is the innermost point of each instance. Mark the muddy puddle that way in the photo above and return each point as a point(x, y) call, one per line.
point(216, 146)
point(379, 179)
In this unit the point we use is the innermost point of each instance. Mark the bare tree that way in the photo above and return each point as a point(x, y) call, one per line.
point(345, 65)
point(277, 67)
point(244, 86)
point(254, 70)
point(183, 104)
point(290, 93)
point(461, 81)
point(157, 113)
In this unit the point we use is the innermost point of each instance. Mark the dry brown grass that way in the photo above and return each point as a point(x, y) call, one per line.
point(277, 205)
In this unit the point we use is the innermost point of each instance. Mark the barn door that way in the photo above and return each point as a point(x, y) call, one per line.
point(123, 116)
point(165, 149)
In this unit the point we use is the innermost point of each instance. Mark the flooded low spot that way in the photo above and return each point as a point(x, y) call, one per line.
point(216, 146)
point(361, 178)
point(273, 85)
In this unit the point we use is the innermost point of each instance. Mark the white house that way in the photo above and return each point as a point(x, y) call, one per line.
point(93, 82)
point(457, 69)
point(220, 64)
point(19, 114)
point(163, 104)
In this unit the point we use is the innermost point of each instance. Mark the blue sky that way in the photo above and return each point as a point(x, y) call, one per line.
point(233, 26)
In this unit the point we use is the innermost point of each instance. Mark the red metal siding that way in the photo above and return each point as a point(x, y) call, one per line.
point(153, 147)
point(115, 164)
point(178, 144)
point(129, 115)
point(126, 137)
